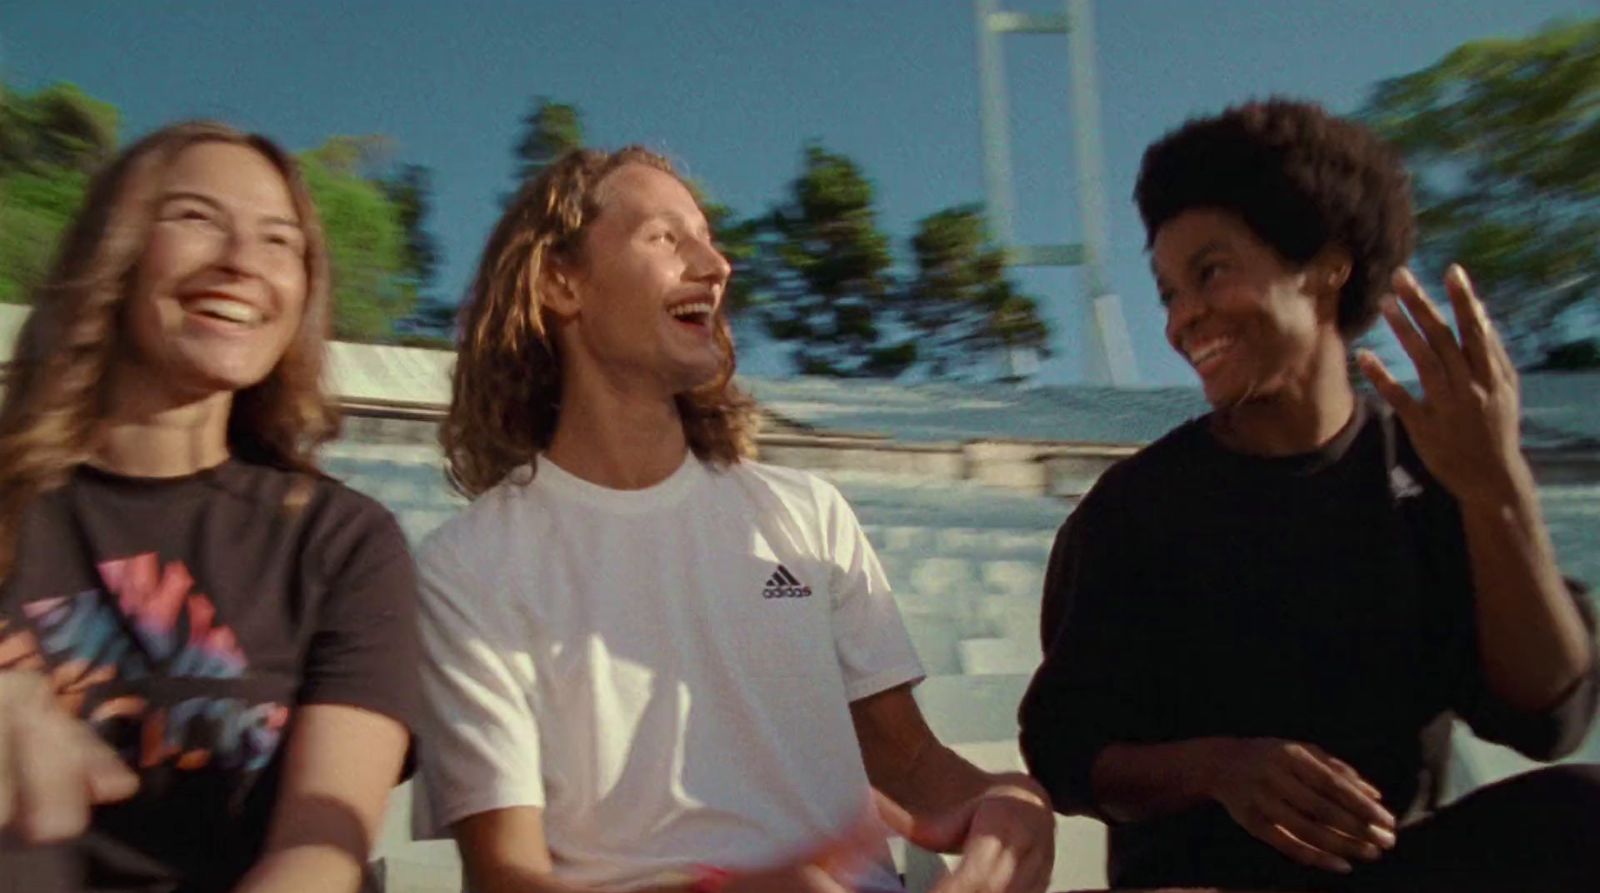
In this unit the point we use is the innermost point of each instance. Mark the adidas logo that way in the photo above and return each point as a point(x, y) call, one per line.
point(783, 584)
point(1402, 485)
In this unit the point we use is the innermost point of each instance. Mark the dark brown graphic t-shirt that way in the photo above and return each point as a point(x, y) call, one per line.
point(186, 620)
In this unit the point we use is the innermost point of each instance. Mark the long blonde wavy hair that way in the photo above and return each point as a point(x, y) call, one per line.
point(56, 397)
point(505, 398)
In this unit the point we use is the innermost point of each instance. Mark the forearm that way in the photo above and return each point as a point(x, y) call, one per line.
point(935, 780)
point(306, 868)
point(1132, 782)
point(522, 880)
point(1531, 639)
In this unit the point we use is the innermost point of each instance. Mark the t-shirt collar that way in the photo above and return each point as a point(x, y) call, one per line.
point(561, 483)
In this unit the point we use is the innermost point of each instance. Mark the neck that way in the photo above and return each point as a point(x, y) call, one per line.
point(1299, 417)
point(151, 435)
point(625, 438)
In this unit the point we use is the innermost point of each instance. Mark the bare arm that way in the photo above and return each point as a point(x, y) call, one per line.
point(1000, 822)
point(505, 851)
point(1531, 639)
point(1466, 427)
point(340, 766)
point(906, 762)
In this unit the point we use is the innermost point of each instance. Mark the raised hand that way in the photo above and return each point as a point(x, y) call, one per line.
point(1303, 802)
point(52, 767)
point(1466, 425)
point(1006, 837)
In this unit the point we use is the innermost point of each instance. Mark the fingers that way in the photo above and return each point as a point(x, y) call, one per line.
point(1471, 321)
point(53, 768)
point(1333, 786)
point(1327, 840)
point(1383, 381)
point(107, 777)
point(1319, 822)
point(1008, 845)
point(1347, 771)
point(1307, 802)
point(983, 862)
point(1485, 339)
point(894, 816)
point(1440, 342)
point(51, 798)
point(941, 833)
point(1297, 849)
point(1033, 870)
point(1312, 807)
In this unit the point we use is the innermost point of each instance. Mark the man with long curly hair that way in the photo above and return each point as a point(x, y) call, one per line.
point(1258, 629)
point(652, 663)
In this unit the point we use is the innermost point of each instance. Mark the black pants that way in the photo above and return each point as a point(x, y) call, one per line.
point(1538, 832)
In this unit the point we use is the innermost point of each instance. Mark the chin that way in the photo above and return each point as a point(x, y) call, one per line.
point(698, 371)
point(231, 380)
point(1223, 394)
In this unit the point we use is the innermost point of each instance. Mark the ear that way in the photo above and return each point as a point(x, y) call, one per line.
point(1327, 275)
point(556, 292)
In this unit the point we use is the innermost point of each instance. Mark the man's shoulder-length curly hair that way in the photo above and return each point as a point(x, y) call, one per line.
point(505, 397)
point(1302, 179)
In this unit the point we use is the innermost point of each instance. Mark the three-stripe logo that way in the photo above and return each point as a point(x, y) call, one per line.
point(783, 584)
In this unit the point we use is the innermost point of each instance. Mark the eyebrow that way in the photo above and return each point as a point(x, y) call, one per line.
point(1205, 249)
point(207, 200)
point(699, 222)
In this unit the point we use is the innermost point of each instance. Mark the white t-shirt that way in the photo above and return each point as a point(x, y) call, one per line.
point(667, 672)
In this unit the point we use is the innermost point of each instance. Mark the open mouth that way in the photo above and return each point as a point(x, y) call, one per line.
point(693, 313)
point(1208, 356)
point(225, 310)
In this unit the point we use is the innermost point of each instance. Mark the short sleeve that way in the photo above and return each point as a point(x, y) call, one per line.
point(874, 650)
point(364, 640)
point(480, 741)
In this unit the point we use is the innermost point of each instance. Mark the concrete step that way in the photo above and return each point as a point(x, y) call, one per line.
point(997, 657)
point(965, 709)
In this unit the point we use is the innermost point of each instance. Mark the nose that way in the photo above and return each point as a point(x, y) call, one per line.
point(706, 263)
point(241, 252)
point(1183, 309)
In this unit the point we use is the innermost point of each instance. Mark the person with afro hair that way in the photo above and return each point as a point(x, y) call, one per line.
point(1259, 629)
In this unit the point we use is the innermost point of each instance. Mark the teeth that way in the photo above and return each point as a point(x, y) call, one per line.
point(699, 307)
point(233, 311)
point(1206, 352)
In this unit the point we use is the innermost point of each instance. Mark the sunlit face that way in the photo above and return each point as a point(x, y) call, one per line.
point(1236, 310)
point(648, 286)
point(219, 291)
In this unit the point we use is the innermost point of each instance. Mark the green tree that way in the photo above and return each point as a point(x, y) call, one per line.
point(825, 266)
point(960, 303)
point(49, 141)
point(410, 190)
point(1503, 136)
point(548, 131)
point(372, 283)
point(35, 208)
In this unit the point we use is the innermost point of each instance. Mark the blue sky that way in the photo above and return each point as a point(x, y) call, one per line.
point(734, 88)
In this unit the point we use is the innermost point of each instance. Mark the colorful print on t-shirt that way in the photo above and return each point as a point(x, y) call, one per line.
point(147, 622)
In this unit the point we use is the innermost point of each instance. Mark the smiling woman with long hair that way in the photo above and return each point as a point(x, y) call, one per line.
point(202, 639)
